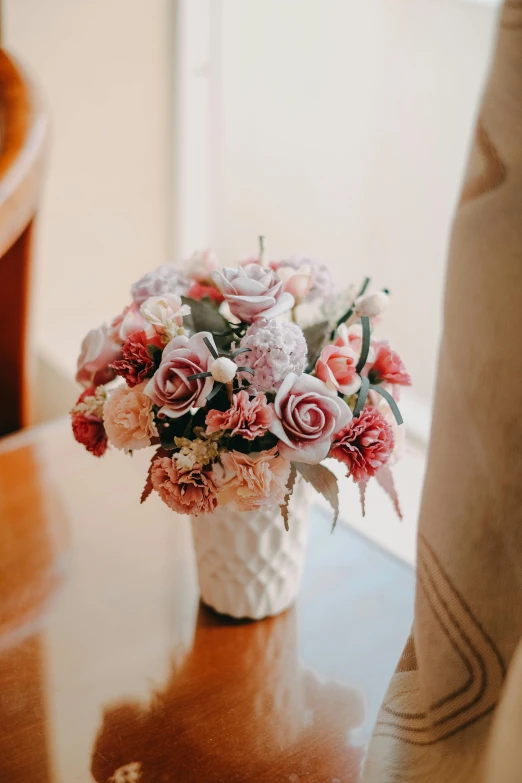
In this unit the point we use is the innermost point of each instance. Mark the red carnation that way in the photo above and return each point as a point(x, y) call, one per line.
point(136, 363)
point(365, 445)
point(388, 366)
point(88, 429)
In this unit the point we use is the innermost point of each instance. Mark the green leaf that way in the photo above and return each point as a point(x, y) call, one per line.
point(205, 318)
point(324, 482)
point(348, 314)
point(316, 337)
point(365, 348)
point(288, 495)
point(391, 402)
point(363, 395)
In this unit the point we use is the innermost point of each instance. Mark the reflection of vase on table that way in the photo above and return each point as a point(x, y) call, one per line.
point(239, 709)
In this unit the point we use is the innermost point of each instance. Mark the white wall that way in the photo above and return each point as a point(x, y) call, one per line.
point(104, 69)
point(345, 125)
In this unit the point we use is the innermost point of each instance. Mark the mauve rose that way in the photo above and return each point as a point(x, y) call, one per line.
point(170, 388)
point(336, 367)
point(253, 291)
point(305, 416)
point(99, 351)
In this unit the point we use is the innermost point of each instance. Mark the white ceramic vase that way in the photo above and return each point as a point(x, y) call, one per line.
point(249, 566)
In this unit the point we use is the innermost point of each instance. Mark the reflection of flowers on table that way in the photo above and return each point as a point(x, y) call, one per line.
point(239, 708)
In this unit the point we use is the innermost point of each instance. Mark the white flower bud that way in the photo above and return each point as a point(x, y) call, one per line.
point(223, 370)
point(371, 304)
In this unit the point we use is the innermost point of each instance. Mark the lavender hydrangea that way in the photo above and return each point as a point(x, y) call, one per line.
point(276, 349)
point(323, 286)
point(166, 279)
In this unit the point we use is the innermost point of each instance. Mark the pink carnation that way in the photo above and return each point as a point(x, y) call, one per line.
point(88, 429)
point(129, 418)
point(253, 481)
point(186, 492)
point(365, 445)
point(388, 366)
point(247, 417)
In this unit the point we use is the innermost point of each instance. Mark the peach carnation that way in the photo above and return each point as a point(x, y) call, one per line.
point(251, 481)
point(185, 491)
point(247, 417)
point(129, 419)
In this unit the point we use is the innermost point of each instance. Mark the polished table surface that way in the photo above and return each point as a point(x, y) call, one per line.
point(110, 670)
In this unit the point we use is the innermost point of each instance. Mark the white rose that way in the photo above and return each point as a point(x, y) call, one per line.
point(165, 313)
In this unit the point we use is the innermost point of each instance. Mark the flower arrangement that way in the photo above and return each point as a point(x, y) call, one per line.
point(242, 379)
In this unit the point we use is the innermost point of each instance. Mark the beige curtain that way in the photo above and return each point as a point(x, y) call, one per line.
point(453, 711)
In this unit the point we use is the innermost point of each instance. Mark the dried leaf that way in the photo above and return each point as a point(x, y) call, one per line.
point(384, 477)
point(324, 482)
point(316, 337)
point(147, 489)
point(362, 484)
point(288, 495)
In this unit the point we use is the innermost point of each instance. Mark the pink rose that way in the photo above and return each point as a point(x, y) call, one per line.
point(251, 481)
point(185, 491)
point(99, 351)
point(253, 291)
point(336, 367)
point(351, 337)
point(170, 388)
point(247, 417)
point(129, 418)
point(305, 416)
point(365, 445)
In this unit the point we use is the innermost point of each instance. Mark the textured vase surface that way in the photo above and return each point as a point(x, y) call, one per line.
point(248, 564)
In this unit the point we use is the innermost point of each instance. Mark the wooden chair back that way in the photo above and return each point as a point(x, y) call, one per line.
point(23, 130)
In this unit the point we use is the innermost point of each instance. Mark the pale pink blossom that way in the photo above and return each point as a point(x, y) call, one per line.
point(129, 419)
point(99, 350)
point(192, 491)
point(250, 481)
point(275, 348)
point(336, 366)
point(165, 313)
point(253, 291)
point(364, 445)
point(170, 388)
point(129, 322)
point(321, 286)
point(248, 418)
point(305, 416)
point(201, 264)
point(165, 279)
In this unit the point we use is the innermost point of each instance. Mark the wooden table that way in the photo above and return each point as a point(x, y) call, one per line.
point(111, 671)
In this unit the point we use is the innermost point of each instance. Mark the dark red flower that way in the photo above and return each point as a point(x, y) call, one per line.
point(90, 432)
point(136, 363)
point(365, 445)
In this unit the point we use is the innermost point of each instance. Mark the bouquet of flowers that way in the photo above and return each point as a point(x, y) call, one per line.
point(242, 379)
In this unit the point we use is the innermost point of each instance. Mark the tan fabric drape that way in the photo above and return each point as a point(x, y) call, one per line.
point(450, 715)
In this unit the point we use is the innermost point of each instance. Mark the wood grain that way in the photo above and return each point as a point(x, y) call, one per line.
point(111, 671)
